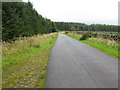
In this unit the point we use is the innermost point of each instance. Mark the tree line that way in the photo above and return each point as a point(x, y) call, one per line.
point(20, 19)
point(69, 26)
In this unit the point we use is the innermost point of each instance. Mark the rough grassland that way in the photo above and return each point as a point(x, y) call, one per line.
point(26, 68)
point(113, 51)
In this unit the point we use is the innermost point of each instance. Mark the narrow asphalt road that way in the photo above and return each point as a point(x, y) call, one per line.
point(77, 65)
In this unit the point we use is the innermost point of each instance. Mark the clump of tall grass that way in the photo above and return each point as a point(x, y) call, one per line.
point(108, 42)
point(86, 35)
point(24, 43)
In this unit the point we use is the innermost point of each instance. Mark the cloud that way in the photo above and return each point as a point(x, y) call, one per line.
point(87, 11)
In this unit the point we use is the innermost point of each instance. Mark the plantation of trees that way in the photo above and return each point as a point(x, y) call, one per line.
point(20, 19)
point(65, 26)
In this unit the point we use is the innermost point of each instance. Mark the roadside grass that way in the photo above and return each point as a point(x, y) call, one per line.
point(104, 32)
point(26, 67)
point(109, 50)
point(105, 45)
point(75, 36)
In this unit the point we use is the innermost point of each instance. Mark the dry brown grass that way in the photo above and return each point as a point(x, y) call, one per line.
point(110, 43)
point(24, 43)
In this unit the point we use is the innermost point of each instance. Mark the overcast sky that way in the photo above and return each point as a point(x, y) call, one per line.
point(83, 11)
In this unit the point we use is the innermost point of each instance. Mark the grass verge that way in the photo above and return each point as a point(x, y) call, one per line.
point(109, 50)
point(27, 68)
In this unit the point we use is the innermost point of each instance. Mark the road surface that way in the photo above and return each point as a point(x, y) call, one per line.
point(74, 64)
